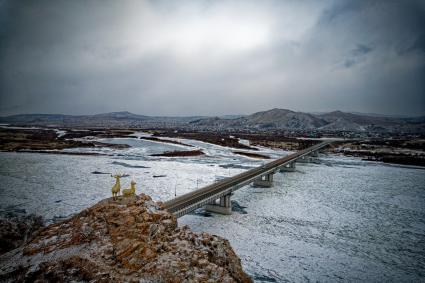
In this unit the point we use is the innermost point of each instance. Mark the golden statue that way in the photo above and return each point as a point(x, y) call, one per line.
point(117, 187)
point(131, 191)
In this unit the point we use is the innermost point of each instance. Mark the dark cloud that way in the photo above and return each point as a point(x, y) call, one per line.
point(418, 45)
point(361, 50)
point(343, 7)
point(357, 55)
point(211, 57)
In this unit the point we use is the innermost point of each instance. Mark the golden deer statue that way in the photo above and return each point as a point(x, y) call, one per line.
point(117, 187)
point(131, 191)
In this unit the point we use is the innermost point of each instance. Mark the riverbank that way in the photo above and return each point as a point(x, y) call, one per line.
point(44, 140)
point(252, 155)
point(213, 137)
point(184, 153)
point(403, 152)
point(59, 141)
point(154, 139)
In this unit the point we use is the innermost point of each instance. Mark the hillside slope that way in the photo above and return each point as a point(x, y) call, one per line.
point(128, 240)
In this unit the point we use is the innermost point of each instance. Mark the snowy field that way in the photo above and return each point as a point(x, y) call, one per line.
point(341, 220)
point(60, 185)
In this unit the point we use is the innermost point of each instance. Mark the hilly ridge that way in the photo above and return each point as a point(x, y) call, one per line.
point(281, 119)
point(332, 121)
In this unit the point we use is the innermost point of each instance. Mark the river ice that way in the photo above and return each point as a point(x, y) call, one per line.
point(343, 221)
point(60, 185)
point(340, 220)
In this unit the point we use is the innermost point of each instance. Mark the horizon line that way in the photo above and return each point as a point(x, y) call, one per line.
point(373, 114)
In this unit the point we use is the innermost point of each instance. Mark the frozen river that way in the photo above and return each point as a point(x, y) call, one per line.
point(341, 220)
point(344, 221)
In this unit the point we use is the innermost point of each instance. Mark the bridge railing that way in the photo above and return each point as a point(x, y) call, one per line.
point(211, 192)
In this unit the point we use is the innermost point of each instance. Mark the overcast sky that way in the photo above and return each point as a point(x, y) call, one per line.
point(212, 57)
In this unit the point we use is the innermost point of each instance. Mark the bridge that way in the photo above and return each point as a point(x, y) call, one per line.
point(216, 197)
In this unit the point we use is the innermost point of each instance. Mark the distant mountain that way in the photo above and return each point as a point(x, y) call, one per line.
point(123, 119)
point(33, 118)
point(120, 115)
point(338, 120)
point(379, 115)
point(286, 119)
point(355, 118)
point(330, 122)
point(271, 119)
point(282, 119)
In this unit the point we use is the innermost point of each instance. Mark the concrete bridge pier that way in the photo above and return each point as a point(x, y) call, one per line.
point(224, 205)
point(290, 167)
point(304, 159)
point(265, 181)
point(314, 154)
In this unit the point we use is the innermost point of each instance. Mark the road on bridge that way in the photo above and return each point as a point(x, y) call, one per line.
point(193, 200)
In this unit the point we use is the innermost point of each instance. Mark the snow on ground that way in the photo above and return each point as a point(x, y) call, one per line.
point(344, 220)
point(341, 220)
point(60, 133)
point(60, 185)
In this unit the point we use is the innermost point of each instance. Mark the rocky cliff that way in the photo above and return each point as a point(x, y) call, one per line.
point(128, 240)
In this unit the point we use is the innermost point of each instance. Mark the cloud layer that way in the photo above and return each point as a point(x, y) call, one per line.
point(211, 57)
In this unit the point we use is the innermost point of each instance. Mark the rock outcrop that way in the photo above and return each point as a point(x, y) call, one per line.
point(128, 240)
point(16, 229)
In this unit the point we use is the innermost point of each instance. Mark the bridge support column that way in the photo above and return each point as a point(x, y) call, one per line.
point(265, 181)
point(288, 167)
point(314, 154)
point(304, 159)
point(224, 206)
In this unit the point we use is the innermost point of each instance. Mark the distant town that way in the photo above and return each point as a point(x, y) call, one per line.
point(275, 121)
point(377, 138)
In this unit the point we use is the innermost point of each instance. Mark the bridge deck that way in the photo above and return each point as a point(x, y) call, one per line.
point(186, 203)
